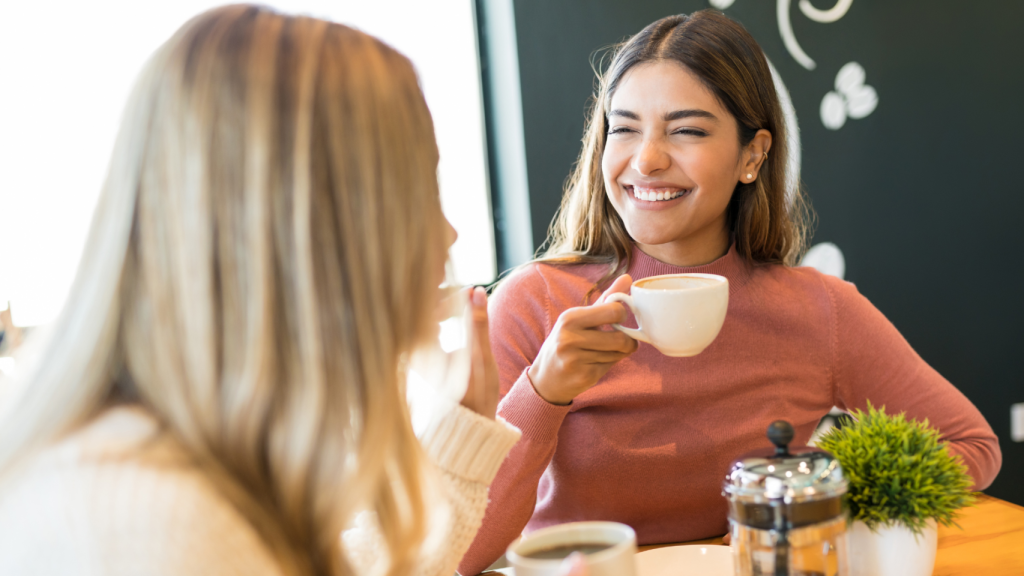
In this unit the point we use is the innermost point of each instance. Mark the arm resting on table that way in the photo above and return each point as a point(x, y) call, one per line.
point(873, 362)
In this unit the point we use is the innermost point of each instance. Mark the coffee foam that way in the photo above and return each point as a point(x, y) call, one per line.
point(677, 283)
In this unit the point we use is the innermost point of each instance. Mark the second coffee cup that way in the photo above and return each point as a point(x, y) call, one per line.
point(609, 549)
point(679, 314)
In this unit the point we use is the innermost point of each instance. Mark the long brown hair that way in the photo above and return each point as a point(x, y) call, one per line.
point(768, 224)
point(263, 257)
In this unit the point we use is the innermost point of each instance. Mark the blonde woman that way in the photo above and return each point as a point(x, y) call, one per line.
point(224, 391)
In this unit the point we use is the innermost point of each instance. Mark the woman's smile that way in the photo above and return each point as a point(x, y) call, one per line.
point(655, 197)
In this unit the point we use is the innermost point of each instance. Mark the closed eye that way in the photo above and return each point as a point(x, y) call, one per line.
point(691, 132)
point(620, 130)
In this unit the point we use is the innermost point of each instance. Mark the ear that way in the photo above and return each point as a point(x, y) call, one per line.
point(754, 155)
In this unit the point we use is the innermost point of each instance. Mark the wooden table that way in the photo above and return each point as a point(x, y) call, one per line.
point(991, 542)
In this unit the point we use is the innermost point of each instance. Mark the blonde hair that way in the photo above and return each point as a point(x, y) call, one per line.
point(263, 257)
point(769, 224)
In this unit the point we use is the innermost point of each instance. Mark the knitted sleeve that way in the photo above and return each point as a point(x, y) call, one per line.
point(873, 362)
point(467, 450)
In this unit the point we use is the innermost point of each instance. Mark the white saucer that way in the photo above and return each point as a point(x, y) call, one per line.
point(692, 560)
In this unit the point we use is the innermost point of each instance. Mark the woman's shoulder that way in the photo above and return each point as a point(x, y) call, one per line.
point(560, 285)
point(804, 279)
point(838, 290)
point(534, 295)
point(538, 275)
point(119, 495)
point(808, 291)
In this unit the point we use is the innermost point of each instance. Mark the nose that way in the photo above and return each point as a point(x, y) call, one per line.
point(651, 158)
point(450, 234)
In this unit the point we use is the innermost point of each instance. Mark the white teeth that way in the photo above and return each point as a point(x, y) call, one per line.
point(652, 196)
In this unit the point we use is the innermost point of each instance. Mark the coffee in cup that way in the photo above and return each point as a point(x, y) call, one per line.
point(679, 314)
point(608, 549)
point(563, 551)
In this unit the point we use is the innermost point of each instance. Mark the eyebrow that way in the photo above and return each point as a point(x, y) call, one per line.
point(676, 115)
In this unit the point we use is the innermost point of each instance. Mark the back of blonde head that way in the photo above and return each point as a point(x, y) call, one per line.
point(262, 258)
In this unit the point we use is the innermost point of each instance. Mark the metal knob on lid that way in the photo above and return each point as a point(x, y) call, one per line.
point(780, 433)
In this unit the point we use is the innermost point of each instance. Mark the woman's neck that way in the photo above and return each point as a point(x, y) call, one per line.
point(698, 249)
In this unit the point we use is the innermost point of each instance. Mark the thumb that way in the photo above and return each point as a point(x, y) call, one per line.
point(481, 344)
point(621, 284)
point(478, 304)
point(481, 329)
point(482, 390)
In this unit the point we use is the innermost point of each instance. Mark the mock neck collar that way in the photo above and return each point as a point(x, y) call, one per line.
point(732, 266)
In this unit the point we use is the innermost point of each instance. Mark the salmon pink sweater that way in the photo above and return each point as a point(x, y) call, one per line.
point(650, 444)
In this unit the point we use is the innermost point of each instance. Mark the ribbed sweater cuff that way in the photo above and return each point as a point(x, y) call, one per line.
point(525, 409)
point(469, 445)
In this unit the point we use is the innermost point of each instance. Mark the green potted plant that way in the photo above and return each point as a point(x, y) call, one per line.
point(903, 482)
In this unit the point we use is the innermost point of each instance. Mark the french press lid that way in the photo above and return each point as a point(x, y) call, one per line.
point(807, 482)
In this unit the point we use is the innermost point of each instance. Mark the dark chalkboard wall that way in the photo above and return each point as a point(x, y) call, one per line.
point(924, 196)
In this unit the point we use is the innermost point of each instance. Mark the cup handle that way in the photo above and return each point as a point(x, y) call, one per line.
point(635, 333)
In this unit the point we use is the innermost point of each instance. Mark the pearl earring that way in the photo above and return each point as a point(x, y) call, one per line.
point(749, 176)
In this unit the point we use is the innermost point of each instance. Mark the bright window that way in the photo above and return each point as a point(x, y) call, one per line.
point(66, 68)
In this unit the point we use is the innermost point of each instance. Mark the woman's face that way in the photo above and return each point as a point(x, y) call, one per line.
point(671, 162)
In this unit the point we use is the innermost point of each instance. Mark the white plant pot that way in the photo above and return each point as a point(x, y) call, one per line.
point(893, 550)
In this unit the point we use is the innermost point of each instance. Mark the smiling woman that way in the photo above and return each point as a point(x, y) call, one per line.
point(683, 171)
point(678, 94)
point(672, 161)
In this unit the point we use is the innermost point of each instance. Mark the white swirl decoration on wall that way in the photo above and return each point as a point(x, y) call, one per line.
point(852, 98)
point(824, 16)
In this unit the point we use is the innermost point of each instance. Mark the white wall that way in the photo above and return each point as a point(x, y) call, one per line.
point(66, 68)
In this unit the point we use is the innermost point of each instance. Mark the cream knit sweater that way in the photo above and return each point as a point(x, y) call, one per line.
point(118, 498)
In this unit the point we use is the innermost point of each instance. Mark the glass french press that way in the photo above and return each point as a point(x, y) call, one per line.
point(786, 511)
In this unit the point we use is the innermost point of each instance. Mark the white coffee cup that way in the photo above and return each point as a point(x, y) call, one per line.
point(679, 314)
point(616, 560)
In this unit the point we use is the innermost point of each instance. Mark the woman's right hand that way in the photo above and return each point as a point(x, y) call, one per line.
point(577, 352)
